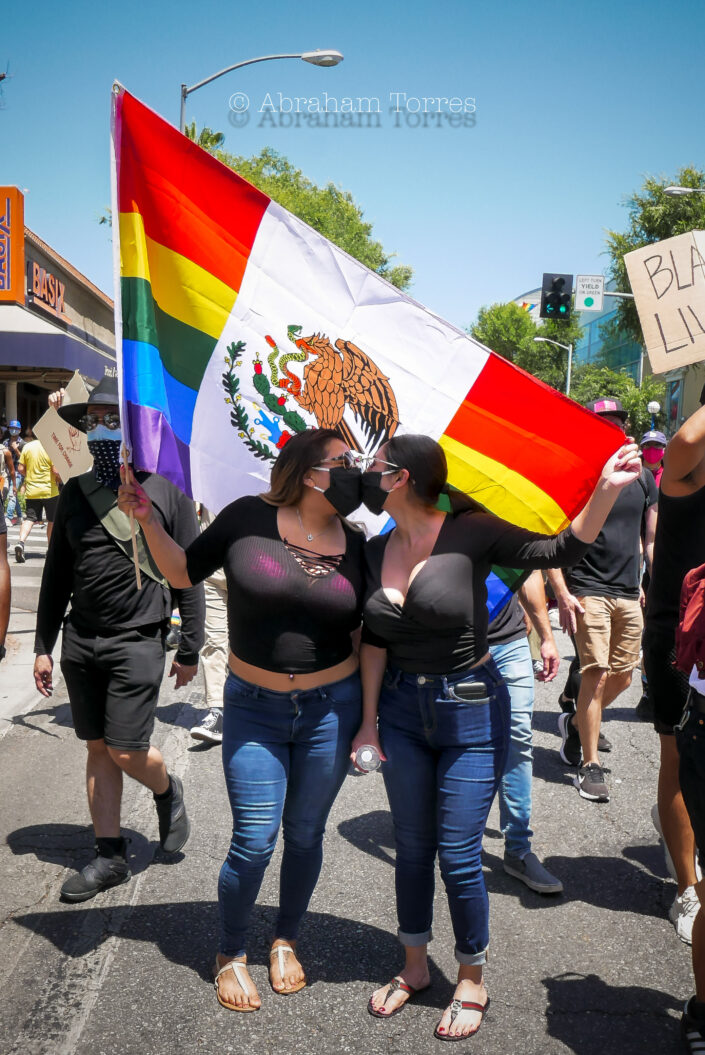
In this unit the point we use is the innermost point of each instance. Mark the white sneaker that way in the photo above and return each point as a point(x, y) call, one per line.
point(211, 728)
point(683, 912)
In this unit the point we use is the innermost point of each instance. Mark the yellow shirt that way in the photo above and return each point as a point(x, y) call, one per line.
point(40, 481)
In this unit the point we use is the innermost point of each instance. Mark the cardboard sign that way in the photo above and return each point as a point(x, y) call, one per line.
point(668, 283)
point(65, 445)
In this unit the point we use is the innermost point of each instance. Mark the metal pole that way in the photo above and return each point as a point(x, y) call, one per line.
point(570, 369)
point(182, 118)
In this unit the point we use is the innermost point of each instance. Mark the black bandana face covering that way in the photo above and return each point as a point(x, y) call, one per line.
point(344, 490)
point(106, 459)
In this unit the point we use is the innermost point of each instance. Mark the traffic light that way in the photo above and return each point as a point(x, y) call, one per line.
point(556, 294)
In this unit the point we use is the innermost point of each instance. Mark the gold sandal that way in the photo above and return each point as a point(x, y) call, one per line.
point(236, 967)
point(281, 951)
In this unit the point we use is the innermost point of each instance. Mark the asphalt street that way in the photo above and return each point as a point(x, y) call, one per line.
point(598, 969)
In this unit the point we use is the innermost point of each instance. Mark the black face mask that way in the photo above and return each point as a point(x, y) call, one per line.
point(373, 494)
point(344, 490)
point(106, 461)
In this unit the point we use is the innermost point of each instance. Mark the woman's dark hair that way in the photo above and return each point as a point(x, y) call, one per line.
point(301, 453)
point(426, 463)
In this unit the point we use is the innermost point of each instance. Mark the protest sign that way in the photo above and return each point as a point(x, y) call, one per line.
point(64, 444)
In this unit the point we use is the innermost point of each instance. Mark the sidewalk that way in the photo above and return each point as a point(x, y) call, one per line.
point(597, 970)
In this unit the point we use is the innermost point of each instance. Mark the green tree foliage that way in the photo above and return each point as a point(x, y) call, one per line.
point(593, 382)
point(206, 138)
point(510, 331)
point(329, 210)
point(653, 216)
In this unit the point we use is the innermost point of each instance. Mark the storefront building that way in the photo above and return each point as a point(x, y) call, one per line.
point(53, 320)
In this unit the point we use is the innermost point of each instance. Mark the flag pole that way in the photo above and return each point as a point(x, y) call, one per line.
point(128, 480)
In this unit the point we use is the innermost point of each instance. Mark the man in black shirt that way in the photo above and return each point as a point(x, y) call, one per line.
point(608, 634)
point(112, 655)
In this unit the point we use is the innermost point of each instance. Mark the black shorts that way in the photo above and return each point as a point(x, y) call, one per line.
point(113, 682)
point(667, 687)
point(35, 507)
point(691, 773)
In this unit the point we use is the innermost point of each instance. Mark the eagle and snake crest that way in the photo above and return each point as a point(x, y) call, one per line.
point(340, 388)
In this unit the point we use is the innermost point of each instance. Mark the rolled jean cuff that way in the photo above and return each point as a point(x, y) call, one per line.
point(470, 959)
point(415, 940)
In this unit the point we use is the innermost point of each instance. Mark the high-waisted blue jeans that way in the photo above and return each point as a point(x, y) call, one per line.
point(445, 758)
point(285, 756)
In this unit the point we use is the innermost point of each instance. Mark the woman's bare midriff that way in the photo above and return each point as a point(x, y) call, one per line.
point(271, 679)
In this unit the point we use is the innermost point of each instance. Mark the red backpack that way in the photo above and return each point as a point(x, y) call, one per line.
point(690, 632)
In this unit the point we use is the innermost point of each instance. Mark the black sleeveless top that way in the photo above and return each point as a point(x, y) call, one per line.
point(679, 546)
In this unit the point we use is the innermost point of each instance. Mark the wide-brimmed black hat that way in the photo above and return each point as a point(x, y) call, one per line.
point(105, 393)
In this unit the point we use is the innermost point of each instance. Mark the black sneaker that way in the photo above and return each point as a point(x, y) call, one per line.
point(570, 749)
point(692, 1031)
point(174, 827)
point(603, 744)
point(19, 553)
point(210, 728)
point(97, 875)
point(591, 783)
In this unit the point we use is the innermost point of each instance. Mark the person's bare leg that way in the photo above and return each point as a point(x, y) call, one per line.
point(104, 787)
point(699, 946)
point(414, 973)
point(588, 713)
point(616, 685)
point(470, 987)
point(50, 527)
point(675, 822)
point(147, 767)
point(230, 989)
point(25, 529)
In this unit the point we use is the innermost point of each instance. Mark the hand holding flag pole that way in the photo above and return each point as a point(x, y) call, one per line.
point(128, 480)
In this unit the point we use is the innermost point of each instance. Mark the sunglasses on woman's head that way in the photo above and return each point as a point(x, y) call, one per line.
point(87, 422)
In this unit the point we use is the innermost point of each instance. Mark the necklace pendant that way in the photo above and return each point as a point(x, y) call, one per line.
point(310, 538)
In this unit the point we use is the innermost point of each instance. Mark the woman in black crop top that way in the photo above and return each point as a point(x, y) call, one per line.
point(443, 707)
point(294, 571)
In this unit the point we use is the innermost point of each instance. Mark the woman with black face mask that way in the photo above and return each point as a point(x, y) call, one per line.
point(292, 702)
point(443, 707)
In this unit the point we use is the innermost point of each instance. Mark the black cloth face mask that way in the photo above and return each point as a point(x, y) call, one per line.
point(344, 492)
point(106, 461)
point(373, 494)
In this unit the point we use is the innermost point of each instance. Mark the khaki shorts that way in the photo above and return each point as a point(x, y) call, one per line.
point(609, 634)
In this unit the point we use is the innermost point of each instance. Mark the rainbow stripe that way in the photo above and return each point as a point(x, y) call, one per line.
point(186, 229)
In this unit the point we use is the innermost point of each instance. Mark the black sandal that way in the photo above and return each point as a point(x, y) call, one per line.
point(455, 1007)
point(393, 987)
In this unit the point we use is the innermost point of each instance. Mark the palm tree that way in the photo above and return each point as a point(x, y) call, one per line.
point(206, 138)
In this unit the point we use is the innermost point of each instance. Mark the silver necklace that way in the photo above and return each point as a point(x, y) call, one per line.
point(309, 536)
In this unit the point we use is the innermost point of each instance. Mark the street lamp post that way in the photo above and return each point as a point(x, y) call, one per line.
point(566, 348)
point(316, 58)
point(680, 192)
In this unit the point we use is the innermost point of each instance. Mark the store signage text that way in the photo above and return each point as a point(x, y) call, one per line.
point(11, 245)
point(45, 289)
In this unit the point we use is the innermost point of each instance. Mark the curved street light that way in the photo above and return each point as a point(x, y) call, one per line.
point(567, 348)
point(680, 192)
point(316, 58)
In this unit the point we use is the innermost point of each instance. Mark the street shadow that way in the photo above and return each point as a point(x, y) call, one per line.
point(587, 1016)
point(60, 715)
point(335, 950)
point(70, 845)
point(372, 833)
point(610, 883)
point(550, 767)
point(650, 857)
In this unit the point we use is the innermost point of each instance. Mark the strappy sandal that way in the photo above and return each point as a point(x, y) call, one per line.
point(281, 951)
point(236, 967)
point(456, 1006)
point(394, 986)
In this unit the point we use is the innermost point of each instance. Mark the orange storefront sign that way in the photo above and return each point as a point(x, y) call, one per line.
point(11, 245)
point(45, 289)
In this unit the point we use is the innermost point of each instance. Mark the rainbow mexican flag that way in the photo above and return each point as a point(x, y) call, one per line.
point(238, 325)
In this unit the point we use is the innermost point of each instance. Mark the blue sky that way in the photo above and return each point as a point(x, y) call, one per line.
point(575, 103)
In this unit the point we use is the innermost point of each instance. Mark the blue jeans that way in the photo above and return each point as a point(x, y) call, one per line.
point(514, 664)
point(285, 756)
point(13, 505)
point(445, 758)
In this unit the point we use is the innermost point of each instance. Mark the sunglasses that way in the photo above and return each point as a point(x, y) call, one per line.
point(87, 422)
point(346, 460)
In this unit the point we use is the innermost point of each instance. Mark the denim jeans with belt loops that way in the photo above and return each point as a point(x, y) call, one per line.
point(285, 756)
point(445, 758)
point(513, 659)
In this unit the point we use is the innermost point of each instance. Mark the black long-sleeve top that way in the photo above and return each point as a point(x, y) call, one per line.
point(86, 567)
point(442, 626)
